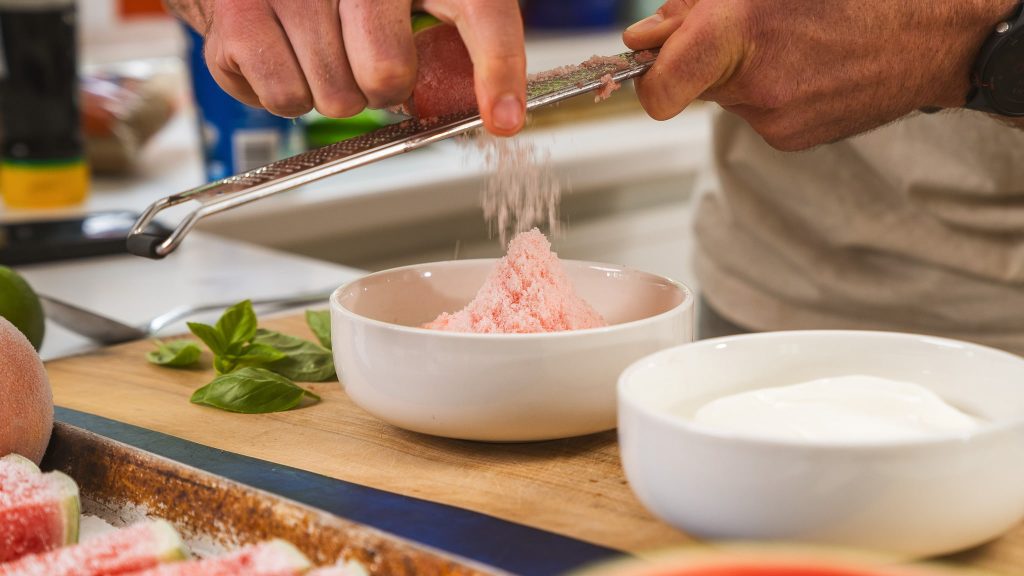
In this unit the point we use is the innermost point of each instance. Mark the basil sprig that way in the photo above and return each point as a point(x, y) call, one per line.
point(252, 391)
point(175, 354)
point(231, 340)
point(255, 367)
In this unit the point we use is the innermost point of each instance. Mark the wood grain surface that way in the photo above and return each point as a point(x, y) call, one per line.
point(574, 487)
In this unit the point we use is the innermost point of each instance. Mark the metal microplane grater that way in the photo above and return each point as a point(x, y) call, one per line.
point(227, 193)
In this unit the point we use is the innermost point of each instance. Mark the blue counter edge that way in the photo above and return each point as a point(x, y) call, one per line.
point(492, 541)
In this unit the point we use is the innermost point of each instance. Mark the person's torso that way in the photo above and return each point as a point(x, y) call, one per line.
point(916, 226)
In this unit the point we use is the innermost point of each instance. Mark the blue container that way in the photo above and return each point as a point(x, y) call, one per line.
point(236, 138)
point(568, 14)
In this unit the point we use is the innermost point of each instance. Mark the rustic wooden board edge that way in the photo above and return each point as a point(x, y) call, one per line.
point(230, 513)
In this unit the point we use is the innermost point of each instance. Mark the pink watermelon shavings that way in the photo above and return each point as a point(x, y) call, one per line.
point(608, 85)
point(596, 60)
point(527, 291)
point(273, 558)
point(38, 512)
point(125, 551)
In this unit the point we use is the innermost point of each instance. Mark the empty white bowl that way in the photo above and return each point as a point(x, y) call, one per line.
point(497, 387)
point(912, 498)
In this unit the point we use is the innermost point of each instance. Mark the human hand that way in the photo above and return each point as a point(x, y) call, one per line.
point(808, 72)
point(340, 56)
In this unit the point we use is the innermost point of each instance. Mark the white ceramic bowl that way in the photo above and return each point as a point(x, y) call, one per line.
point(497, 387)
point(912, 498)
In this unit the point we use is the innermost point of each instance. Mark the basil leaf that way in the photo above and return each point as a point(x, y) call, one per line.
point(175, 354)
point(304, 361)
point(251, 391)
point(210, 336)
point(237, 325)
point(198, 395)
point(256, 354)
point(320, 323)
point(249, 355)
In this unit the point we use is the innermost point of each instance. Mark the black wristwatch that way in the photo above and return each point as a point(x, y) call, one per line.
point(998, 76)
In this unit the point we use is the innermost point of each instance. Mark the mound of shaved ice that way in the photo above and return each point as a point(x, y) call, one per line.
point(528, 291)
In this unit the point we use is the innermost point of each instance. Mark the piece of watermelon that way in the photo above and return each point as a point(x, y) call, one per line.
point(273, 558)
point(12, 461)
point(126, 551)
point(444, 78)
point(38, 512)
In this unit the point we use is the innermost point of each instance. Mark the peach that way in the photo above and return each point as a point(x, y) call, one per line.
point(26, 401)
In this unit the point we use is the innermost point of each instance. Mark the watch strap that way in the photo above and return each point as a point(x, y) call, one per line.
point(977, 98)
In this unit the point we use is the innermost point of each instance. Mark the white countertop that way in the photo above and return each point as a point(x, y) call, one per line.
point(206, 270)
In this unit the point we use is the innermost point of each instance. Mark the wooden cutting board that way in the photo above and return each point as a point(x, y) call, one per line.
point(573, 487)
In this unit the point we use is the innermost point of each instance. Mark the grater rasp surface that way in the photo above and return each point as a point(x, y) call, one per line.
point(545, 88)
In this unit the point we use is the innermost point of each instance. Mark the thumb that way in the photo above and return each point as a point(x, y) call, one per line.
point(703, 53)
point(653, 31)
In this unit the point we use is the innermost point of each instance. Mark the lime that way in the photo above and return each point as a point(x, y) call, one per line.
point(21, 307)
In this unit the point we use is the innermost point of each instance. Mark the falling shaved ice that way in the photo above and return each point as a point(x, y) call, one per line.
point(522, 190)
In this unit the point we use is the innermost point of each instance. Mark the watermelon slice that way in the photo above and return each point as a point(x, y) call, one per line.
point(139, 547)
point(444, 81)
point(273, 558)
point(38, 512)
point(12, 461)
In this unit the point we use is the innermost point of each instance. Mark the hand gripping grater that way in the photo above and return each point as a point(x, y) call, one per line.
point(227, 193)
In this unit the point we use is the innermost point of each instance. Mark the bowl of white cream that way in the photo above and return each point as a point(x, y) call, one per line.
point(899, 443)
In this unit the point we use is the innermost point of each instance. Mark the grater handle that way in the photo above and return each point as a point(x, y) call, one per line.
point(333, 159)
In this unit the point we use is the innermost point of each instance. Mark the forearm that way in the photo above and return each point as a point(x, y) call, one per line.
point(192, 12)
point(770, 62)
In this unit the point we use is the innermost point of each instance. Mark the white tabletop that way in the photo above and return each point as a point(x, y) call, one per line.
point(205, 270)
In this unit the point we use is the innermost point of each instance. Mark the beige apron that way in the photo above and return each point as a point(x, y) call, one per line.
point(917, 227)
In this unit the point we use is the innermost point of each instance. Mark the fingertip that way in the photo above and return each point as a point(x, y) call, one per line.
point(389, 83)
point(500, 87)
point(495, 131)
point(639, 35)
point(651, 32)
point(653, 101)
point(289, 110)
point(287, 101)
point(340, 104)
point(507, 115)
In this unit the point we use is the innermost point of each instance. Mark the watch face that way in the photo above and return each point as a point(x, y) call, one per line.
point(1006, 75)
